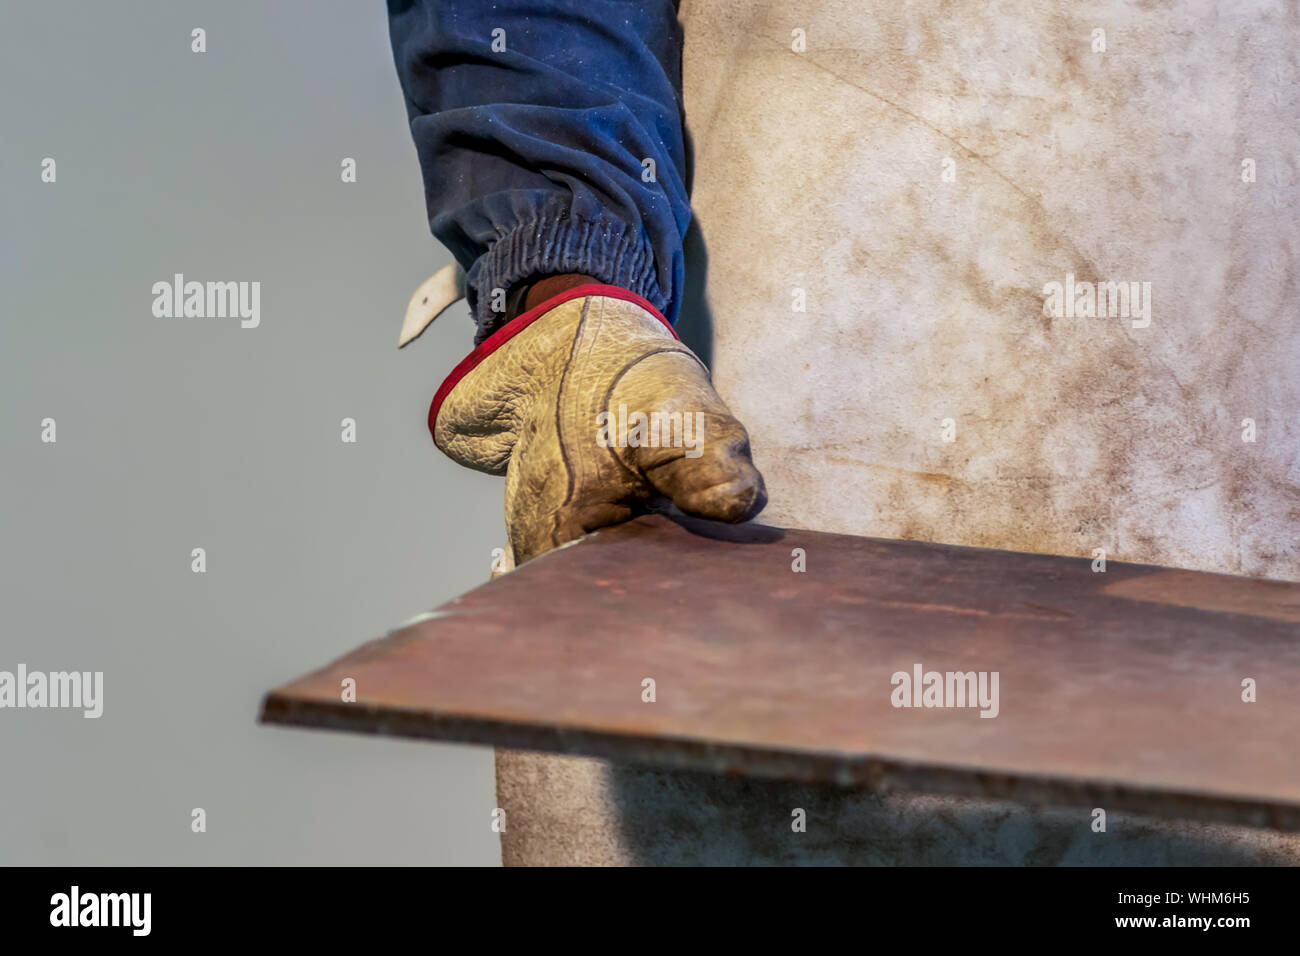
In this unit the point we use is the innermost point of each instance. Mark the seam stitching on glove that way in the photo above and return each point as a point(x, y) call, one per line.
point(618, 377)
point(560, 400)
point(512, 328)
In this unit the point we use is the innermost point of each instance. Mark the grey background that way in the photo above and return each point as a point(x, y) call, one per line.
point(183, 433)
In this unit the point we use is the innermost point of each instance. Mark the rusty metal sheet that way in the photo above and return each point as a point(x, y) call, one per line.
point(1121, 689)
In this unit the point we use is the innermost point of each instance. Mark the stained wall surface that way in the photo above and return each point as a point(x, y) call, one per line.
point(880, 212)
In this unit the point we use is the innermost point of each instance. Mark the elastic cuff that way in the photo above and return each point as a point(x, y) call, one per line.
point(558, 241)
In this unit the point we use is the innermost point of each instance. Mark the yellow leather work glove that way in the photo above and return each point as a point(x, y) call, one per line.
point(594, 411)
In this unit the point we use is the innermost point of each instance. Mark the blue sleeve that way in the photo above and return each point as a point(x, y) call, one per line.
point(549, 134)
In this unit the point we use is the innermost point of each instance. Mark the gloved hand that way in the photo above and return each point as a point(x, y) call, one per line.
point(527, 404)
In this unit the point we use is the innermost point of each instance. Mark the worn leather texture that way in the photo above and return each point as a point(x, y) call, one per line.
point(823, 171)
point(530, 410)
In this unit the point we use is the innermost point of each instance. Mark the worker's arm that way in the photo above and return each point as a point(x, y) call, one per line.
point(550, 137)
